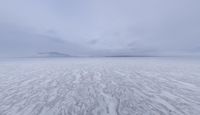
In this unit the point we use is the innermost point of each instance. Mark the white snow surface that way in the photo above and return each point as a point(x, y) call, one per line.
point(100, 86)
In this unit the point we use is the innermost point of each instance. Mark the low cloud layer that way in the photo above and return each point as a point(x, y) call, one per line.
point(100, 27)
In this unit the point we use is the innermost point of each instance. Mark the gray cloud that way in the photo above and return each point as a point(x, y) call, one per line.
point(17, 41)
point(102, 27)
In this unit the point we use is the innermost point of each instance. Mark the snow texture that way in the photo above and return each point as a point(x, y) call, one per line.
point(100, 86)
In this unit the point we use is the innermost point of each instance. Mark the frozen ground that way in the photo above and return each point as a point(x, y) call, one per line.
point(104, 86)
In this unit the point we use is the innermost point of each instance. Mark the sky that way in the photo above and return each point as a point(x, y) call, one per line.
point(100, 27)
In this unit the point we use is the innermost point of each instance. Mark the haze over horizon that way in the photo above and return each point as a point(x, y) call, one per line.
point(100, 27)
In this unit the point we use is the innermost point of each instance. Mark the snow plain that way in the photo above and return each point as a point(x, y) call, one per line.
point(100, 86)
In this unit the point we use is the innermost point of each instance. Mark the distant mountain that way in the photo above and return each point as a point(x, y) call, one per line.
point(53, 54)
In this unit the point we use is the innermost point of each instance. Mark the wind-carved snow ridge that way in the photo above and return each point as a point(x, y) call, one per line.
point(118, 86)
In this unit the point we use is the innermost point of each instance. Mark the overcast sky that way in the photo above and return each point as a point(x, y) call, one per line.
point(100, 27)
